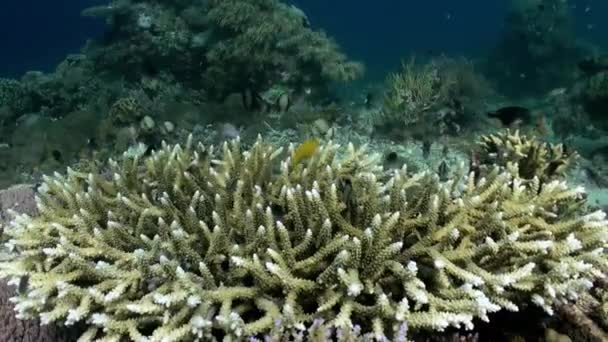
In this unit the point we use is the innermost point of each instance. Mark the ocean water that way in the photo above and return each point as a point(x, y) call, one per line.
point(36, 35)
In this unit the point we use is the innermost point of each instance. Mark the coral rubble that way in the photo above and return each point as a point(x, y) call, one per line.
point(195, 242)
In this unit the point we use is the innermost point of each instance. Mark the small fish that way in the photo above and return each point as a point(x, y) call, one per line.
point(445, 152)
point(346, 191)
point(391, 161)
point(512, 115)
point(369, 100)
point(57, 155)
point(391, 157)
point(557, 92)
point(593, 65)
point(283, 102)
point(92, 143)
point(228, 131)
point(541, 125)
point(475, 165)
point(443, 171)
point(306, 150)
point(426, 148)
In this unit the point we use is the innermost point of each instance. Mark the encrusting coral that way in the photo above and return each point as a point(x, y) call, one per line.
point(197, 243)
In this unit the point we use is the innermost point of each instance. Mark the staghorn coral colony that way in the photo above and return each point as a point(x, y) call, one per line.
point(200, 243)
point(406, 213)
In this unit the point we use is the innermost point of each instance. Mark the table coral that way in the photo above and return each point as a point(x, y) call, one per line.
point(196, 243)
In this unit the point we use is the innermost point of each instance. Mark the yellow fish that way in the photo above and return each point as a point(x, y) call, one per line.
point(306, 150)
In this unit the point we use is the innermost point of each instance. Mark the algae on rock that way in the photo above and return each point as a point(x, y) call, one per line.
point(196, 243)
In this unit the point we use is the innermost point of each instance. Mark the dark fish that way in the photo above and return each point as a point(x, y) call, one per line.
point(391, 157)
point(512, 115)
point(92, 143)
point(57, 155)
point(347, 196)
point(391, 161)
point(426, 148)
point(475, 165)
point(149, 68)
point(443, 171)
point(23, 283)
point(369, 100)
point(591, 66)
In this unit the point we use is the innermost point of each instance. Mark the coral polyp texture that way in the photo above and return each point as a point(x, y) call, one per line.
point(202, 243)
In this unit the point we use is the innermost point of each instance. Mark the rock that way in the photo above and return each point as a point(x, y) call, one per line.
point(169, 127)
point(147, 124)
point(553, 336)
point(21, 199)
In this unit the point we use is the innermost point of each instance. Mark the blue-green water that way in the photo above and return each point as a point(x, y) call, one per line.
point(36, 35)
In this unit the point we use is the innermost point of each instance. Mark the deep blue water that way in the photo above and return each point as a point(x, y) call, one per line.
point(37, 34)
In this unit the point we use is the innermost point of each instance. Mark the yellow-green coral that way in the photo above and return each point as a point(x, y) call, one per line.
point(195, 238)
point(126, 110)
point(411, 92)
point(525, 156)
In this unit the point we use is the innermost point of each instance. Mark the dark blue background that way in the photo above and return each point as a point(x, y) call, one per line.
point(37, 34)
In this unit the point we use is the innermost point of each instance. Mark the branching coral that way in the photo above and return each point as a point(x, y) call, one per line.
point(525, 156)
point(435, 98)
point(196, 243)
point(411, 92)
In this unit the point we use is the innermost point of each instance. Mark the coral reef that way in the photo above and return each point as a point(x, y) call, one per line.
point(440, 97)
point(12, 98)
point(526, 157)
point(588, 316)
point(19, 199)
point(267, 42)
point(223, 47)
point(195, 242)
point(538, 51)
point(412, 91)
point(161, 69)
point(594, 97)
